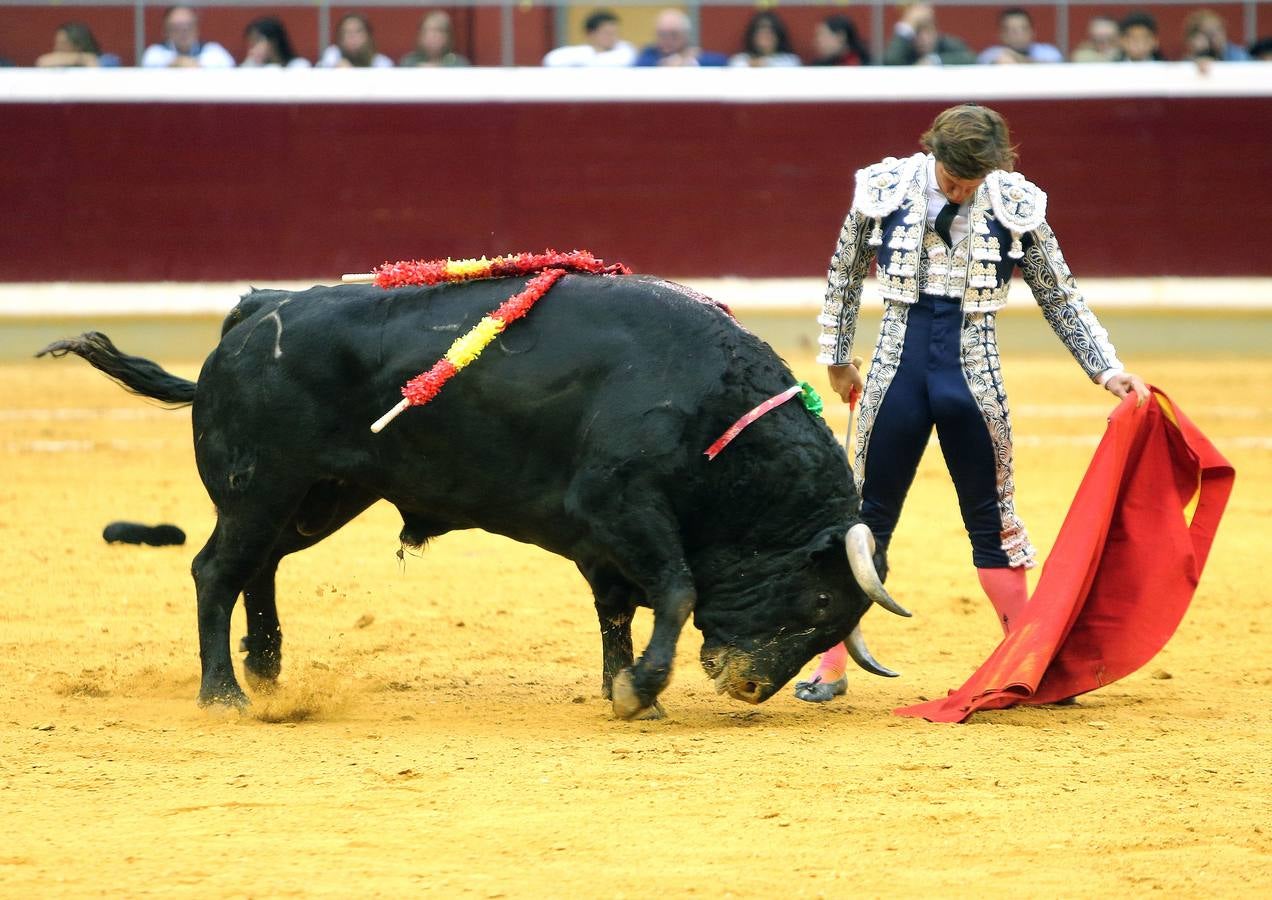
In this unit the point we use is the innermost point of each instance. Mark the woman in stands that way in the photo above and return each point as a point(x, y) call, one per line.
point(269, 45)
point(354, 46)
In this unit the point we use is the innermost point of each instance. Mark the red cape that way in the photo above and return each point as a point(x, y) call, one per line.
point(1122, 572)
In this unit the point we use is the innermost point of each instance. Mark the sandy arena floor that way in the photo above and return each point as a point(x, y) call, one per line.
point(439, 729)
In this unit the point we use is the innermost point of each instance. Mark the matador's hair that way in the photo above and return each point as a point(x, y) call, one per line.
point(970, 141)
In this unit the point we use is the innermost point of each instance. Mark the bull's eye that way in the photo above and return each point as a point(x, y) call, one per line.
point(823, 600)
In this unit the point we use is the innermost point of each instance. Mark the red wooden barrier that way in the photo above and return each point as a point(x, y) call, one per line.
point(210, 191)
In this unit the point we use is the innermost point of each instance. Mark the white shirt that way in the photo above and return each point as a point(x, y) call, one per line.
point(331, 57)
point(297, 62)
point(936, 202)
point(621, 54)
point(211, 55)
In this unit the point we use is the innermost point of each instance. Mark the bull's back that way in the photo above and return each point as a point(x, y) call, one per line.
point(604, 372)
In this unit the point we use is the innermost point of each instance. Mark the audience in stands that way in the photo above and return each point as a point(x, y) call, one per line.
point(434, 44)
point(75, 47)
point(766, 43)
point(1138, 38)
point(917, 42)
point(1206, 37)
point(837, 43)
point(1101, 44)
point(1016, 42)
point(604, 45)
point(181, 47)
point(354, 47)
point(268, 45)
point(673, 44)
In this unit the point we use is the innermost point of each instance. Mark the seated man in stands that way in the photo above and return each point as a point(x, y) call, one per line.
point(604, 47)
point(182, 48)
point(672, 46)
point(1101, 44)
point(1138, 37)
point(916, 41)
point(1016, 42)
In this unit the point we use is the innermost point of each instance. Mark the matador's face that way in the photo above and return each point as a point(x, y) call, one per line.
point(956, 190)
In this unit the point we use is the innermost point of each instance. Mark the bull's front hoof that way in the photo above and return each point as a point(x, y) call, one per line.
point(229, 696)
point(652, 714)
point(626, 701)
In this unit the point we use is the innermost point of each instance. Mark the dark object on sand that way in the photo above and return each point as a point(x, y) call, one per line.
point(136, 533)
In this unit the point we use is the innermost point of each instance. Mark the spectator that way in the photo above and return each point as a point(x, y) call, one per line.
point(354, 47)
point(1206, 37)
point(1101, 44)
point(1261, 50)
point(1016, 42)
point(1138, 37)
point(182, 48)
point(916, 42)
point(604, 46)
point(269, 45)
point(672, 46)
point(766, 43)
point(434, 44)
point(837, 43)
point(74, 46)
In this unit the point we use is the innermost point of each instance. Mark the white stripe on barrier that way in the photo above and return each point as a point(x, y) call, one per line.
point(619, 85)
point(88, 414)
point(798, 296)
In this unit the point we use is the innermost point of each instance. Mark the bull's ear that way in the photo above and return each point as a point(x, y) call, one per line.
point(825, 541)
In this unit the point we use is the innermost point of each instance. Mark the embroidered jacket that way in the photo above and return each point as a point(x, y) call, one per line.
point(1007, 227)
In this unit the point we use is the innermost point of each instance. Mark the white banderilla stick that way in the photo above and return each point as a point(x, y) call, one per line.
point(378, 425)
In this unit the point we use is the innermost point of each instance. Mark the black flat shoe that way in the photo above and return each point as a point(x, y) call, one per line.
point(818, 691)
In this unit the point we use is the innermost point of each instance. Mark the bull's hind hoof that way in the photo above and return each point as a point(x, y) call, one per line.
point(627, 703)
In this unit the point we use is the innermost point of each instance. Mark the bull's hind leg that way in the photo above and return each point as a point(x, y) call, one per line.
point(326, 509)
point(234, 553)
point(263, 642)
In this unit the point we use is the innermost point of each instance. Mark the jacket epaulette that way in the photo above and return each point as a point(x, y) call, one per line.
point(1019, 205)
point(881, 189)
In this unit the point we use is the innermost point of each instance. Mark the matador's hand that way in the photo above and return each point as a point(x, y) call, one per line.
point(846, 381)
point(1122, 384)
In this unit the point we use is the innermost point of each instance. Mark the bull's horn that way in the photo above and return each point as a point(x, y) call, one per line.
point(861, 655)
point(860, 544)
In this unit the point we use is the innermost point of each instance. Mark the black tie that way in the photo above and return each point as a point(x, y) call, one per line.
point(944, 219)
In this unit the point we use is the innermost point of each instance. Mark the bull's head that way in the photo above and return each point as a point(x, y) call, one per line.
point(770, 614)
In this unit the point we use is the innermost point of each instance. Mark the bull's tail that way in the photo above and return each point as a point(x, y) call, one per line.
point(134, 374)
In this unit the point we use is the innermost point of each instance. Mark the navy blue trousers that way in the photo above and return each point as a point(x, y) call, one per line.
point(929, 390)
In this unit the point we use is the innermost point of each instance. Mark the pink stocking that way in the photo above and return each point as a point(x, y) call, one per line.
point(1008, 590)
point(832, 665)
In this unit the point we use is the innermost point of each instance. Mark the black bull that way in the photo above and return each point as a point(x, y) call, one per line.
point(581, 429)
